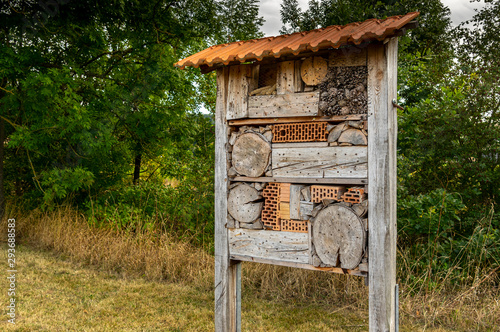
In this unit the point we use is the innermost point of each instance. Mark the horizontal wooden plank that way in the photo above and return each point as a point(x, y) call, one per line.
point(320, 162)
point(244, 258)
point(302, 180)
point(297, 119)
point(299, 145)
point(279, 246)
point(296, 104)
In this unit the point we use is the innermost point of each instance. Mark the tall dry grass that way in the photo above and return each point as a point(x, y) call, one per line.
point(160, 257)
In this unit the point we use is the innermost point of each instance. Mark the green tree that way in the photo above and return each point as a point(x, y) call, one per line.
point(89, 91)
point(89, 96)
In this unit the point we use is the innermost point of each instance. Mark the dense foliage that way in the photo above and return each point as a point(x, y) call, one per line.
point(92, 111)
point(90, 101)
point(448, 142)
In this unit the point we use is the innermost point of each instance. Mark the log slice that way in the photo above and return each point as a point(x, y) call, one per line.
point(313, 70)
point(338, 236)
point(242, 205)
point(251, 154)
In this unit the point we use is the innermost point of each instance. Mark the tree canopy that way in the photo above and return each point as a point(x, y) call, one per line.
point(89, 97)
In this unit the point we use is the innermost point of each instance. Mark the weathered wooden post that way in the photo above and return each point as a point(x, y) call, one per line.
point(305, 172)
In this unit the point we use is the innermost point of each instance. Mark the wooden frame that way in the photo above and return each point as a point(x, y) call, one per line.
point(382, 171)
point(234, 108)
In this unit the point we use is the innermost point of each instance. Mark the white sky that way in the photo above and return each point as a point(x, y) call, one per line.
point(461, 10)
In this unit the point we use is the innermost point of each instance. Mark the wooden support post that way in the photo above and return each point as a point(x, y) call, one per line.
point(382, 231)
point(226, 272)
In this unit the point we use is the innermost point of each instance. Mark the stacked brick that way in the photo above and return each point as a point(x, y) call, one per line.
point(270, 213)
point(299, 226)
point(300, 132)
point(319, 193)
point(354, 195)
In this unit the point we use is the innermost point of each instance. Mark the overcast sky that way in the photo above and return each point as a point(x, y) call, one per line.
point(461, 10)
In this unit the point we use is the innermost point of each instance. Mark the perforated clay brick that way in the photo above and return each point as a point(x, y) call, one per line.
point(354, 195)
point(270, 211)
point(319, 193)
point(300, 132)
point(299, 226)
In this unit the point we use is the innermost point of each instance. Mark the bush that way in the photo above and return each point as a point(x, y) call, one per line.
point(186, 210)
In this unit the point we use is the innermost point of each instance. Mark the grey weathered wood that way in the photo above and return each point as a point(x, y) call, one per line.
point(238, 297)
point(288, 105)
point(338, 235)
point(225, 273)
point(237, 92)
point(334, 135)
point(361, 209)
point(295, 201)
point(321, 162)
point(353, 136)
point(244, 258)
point(278, 246)
point(250, 155)
point(241, 203)
point(306, 209)
point(285, 82)
point(306, 193)
point(382, 127)
point(351, 181)
point(257, 224)
point(299, 145)
point(274, 120)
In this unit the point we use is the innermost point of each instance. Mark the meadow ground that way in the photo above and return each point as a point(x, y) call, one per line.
point(74, 277)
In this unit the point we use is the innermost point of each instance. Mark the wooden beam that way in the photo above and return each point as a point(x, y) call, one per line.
point(285, 82)
point(352, 181)
point(297, 119)
point(320, 162)
point(382, 126)
point(244, 258)
point(285, 105)
point(225, 273)
point(274, 245)
point(237, 92)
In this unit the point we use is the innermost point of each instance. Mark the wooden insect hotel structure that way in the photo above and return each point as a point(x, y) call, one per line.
point(305, 172)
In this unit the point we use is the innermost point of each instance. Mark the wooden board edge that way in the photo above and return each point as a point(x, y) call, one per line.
point(297, 119)
point(354, 181)
point(337, 270)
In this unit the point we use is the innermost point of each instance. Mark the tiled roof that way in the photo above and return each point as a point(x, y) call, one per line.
point(333, 36)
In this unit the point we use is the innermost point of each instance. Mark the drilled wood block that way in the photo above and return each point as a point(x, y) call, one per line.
point(300, 132)
point(299, 226)
point(284, 195)
point(319, 193)
point(284, 210)
point(354, 195)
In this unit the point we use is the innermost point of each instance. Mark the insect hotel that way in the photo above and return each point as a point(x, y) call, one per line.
point(305, 172)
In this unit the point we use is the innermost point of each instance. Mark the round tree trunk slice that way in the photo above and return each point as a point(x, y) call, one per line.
point(338, 236)
point(241, 203)
point(251, 154)
point(313, 70)
point(353, 136)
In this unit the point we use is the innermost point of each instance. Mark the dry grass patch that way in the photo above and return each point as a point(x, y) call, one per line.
point(274, 298)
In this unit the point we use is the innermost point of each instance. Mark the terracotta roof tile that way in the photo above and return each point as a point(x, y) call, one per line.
point(330, 37)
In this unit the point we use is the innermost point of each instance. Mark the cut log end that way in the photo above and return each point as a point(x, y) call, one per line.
point(339, 237)
point(250, 155)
